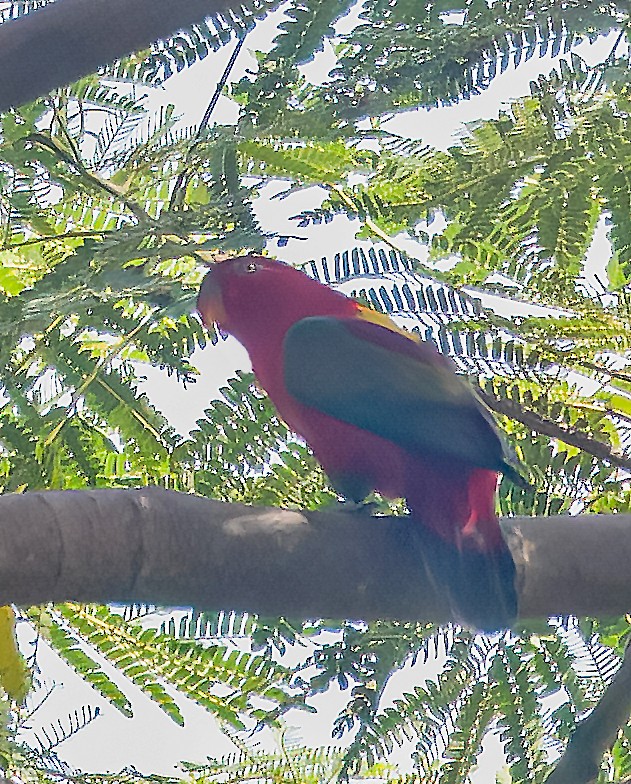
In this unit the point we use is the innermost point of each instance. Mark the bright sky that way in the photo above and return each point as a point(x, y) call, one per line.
point(151, 742)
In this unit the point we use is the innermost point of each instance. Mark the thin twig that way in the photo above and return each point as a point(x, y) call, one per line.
point(71, 409)
point(91, 178)
point(612, 53)
point(548, 427)
point(184, 176)
point(387, 239)
point(618, 374)
point(54, 238)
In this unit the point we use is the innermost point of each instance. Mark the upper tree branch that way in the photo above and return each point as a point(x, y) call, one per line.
point(61, 42)
point(168, 548)
point(547, 427)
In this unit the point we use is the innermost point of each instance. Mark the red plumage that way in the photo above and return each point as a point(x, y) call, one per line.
point(438, 450)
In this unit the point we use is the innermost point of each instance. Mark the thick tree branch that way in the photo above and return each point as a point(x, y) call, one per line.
point(580, 764)
point(557, 430)
point(168, 548)
point(61, 42)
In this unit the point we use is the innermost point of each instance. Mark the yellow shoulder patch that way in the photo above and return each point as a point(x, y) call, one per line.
point(375, 317)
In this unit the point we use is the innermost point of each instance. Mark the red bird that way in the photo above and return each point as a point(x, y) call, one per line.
point(382, 410)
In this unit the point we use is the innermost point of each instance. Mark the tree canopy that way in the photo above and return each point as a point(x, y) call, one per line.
point(108, 213)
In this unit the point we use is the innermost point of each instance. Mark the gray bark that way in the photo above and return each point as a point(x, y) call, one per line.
point(158, 546)
point(68, 39)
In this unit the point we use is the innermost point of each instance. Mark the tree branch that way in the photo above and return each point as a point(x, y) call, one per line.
point(547, 427)
point(158, 546)
point(65, 40)
point(580, 764)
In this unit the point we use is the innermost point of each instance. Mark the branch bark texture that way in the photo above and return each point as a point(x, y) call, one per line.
point(168, 548)
point(68, 39)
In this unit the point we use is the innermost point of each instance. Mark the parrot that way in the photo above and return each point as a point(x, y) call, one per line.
point(382, 411)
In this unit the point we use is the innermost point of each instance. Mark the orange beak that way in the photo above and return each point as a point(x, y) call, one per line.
point(209, 301)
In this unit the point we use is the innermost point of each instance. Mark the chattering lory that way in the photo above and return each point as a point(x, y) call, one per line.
point(382, 411)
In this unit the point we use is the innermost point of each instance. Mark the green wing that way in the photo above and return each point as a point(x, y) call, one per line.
point(381, 381)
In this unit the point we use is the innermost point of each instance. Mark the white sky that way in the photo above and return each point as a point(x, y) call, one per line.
point(151, 742)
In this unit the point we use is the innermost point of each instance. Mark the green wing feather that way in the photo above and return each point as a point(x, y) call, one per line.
point(383, 382)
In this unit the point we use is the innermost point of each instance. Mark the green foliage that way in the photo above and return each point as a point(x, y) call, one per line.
point(307, 28)
point(242, 452)
point(151, 660)
point(291, 763)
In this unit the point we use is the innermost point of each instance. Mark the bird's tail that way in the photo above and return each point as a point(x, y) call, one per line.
point(465, 553)
point(479, 586)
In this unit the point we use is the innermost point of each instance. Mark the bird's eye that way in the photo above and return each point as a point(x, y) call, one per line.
point(251, 267)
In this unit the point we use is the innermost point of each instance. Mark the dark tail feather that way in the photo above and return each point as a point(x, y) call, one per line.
point(480, 585)
point(483, 589)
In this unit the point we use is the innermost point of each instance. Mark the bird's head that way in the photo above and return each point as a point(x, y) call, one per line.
point(229, 286)
point(248, 295)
